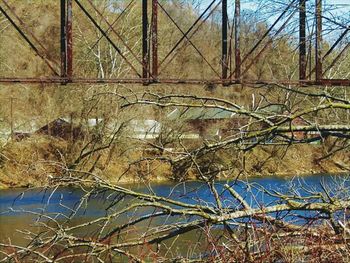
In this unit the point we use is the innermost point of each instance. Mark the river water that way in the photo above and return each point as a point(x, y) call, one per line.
point(15, 204)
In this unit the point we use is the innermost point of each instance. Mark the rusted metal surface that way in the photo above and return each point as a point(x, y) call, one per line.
point(185, 35)
point(145, 64)
point(302, 39)
point(30, 43)
point(259, 42)
point(107, 37)
point(150, 60)
point(336, 43)
point(27, 29)
point(66, 10)
point(331, 50)
point(155, 39)
point(318, 42)
point(122, 13)
point(224, 58)
point(58, 80)
point(126, 45)
point(337, 58)
point(69, 38)
point(63, 40)
point(203, 18)
point(237, 26)
point(267, 45)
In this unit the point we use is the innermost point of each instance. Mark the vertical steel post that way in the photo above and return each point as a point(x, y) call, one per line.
point(318, 41)
point(237, 40)
point(155, 38)
point(69, 38)
point(224, 40)
point(63, 40)
point(302, 39)
point(145, 66)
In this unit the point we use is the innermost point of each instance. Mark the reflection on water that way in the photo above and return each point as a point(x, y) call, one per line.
point(20, 208)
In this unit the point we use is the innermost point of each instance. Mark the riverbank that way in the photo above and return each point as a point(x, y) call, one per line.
point(34, 162)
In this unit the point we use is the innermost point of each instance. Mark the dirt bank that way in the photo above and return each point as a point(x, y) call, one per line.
point(34, 161)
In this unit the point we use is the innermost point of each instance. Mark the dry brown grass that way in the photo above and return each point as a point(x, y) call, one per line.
point(31, 161)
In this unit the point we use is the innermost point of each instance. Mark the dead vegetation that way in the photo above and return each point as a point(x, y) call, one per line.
point(286, 131)
point(33, 161)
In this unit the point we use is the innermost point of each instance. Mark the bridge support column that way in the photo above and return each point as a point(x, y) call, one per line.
point(66, 39)
point(302, 40)
point(63, 40)
point(155, 39)
point(237, 40)
point(318, 41)
point(145, 55)
point(224, 58)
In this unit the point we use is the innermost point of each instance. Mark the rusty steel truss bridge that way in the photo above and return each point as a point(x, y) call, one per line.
point(148, 64)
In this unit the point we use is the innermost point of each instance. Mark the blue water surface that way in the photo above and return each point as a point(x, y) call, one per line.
point(64, 200)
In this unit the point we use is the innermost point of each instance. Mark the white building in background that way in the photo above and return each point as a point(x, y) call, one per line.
point(20, 129)
point(5, 134)
point(136, 129)
point(144, 129)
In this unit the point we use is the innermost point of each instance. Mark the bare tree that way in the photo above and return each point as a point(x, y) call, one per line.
point(228, 223)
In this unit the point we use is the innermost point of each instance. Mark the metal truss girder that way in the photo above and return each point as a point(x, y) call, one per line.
point(153, 64)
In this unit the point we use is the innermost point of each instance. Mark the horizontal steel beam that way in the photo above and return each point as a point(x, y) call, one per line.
point(323, 82)
point(155, 57)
